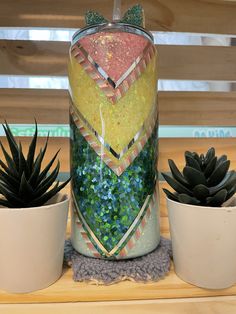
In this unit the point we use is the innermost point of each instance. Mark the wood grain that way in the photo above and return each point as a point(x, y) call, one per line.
point(175, 108)
point(23, 105)
point(197, 108)
point(211, 305)
point(175, 62)
point(33, 57)
point(66, 290)
point(183, 16)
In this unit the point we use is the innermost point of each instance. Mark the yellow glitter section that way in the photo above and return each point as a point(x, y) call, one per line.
point(117, 123)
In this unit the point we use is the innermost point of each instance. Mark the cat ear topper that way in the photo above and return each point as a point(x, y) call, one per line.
point(133, 16)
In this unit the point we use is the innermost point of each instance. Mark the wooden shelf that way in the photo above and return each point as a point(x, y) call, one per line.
point(66, 290)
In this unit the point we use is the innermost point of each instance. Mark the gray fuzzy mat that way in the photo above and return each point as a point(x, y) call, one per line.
point(151, 267)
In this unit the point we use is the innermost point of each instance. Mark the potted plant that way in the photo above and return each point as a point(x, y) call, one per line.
point(33, 216)
point(202, 215)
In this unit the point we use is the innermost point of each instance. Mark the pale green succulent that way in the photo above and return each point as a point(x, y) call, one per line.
point(205, 180)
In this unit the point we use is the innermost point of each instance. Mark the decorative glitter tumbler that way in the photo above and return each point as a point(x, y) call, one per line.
point(113, 121)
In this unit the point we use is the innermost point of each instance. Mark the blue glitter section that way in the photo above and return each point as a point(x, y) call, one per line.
point(109, 203)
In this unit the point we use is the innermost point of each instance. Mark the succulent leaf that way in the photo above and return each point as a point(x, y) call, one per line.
point(231, 182)
point(193, 176)
point(210, 154)
point(226, 183)
point(47, 182)
point(177, 186)
point(9, 179)
point(196, 157)
point(170, 195)
point(32, 147)
point(218, 199)
point(5, 203)
point(10, 162)
point(47, 168)
point(186, 199)
point(192, 162)
point(176, 173)
point(201, 192)
point(210, 183)
point(221, 159)
point(11, 197)
point(12, 144)
point(25, 190)
point(48, 195)
point(22, 183)
point(23, 165)
point(210, 167)
point(231, 192)
point(219, 173)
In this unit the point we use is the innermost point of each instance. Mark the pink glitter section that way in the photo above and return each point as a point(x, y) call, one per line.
point(114, 52)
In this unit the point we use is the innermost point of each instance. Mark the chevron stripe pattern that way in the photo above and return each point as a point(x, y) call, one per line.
point(130, 243)
point(136, 236)
point(113, 93)
point(85, 237)
point(118, 166)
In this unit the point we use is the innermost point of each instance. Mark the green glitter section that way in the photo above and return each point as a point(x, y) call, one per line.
point(134, 16)
point(93, 18)
point(124, 243)
point(109, 203)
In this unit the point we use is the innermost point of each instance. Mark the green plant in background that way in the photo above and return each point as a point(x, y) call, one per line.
point(22, 182)
point(205, 180)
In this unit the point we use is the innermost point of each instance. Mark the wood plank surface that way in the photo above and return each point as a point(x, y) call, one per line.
point(66, 290)
point(197, 108)
point(175, 62)
point(217, 305)
point(175, 108)
point(211, 16)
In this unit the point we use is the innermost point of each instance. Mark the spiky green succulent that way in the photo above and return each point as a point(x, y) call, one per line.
point(22, 181)
point(205, 180)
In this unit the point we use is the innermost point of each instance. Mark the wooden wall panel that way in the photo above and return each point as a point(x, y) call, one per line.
point(22, 105)
point(197, 108)
point(202, 16)
point(175, 108)
point(175, 62)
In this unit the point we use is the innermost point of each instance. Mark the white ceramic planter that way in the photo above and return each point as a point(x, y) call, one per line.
point(204, 244)
point(32, 245)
